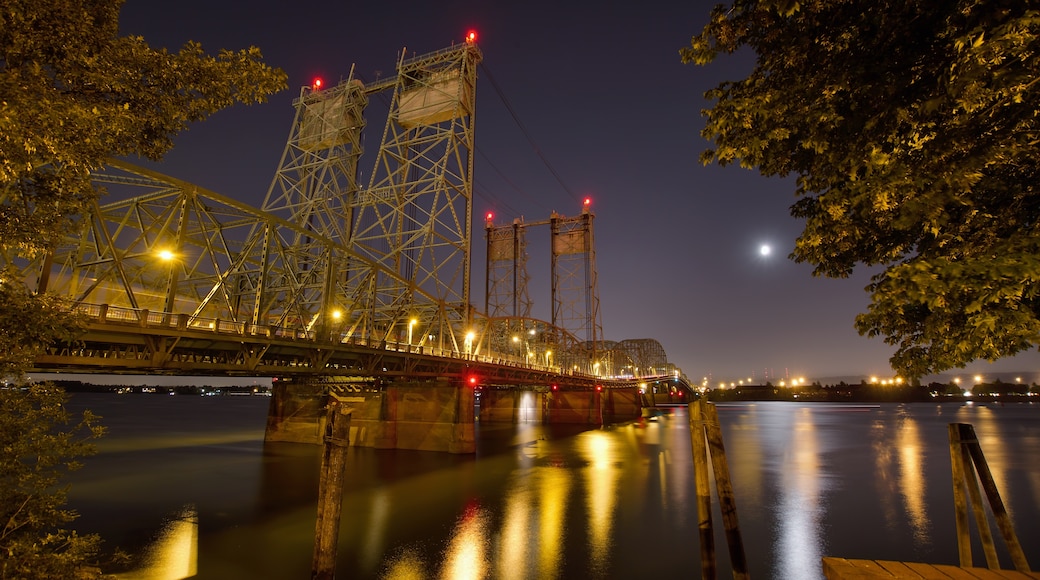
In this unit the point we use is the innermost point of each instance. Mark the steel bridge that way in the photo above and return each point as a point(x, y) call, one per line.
point(337, 286)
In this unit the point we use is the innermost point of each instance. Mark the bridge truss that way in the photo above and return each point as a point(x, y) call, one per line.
point(221, 286)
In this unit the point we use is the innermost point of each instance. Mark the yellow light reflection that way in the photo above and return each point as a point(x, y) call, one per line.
point(600, 496)
point(467, 556)
point(513, 550)
point(554, 485)
point(406, 567)
point(912, 481)
point(175, 554)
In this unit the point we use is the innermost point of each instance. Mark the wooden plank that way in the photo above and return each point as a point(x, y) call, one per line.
point(899, 569)
point(846, 569)
point(958, 573)
point(927, 571)
point(843, 569)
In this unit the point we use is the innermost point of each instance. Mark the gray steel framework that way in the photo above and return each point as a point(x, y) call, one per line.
point(325, 266)
point(506, 280)
point(575, 296)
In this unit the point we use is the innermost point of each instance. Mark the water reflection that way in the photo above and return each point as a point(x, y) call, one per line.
point(547, 502)
point(912, 481)
point(601, 478)
point(799, 541)
point(175, 553)
point(467, 554)
point(553, 491)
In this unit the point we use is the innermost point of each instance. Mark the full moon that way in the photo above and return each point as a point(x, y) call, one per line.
point(765, 250)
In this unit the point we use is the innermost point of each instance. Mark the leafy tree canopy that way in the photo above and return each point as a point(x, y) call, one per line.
point(73, 93)
point(41, 443)
point(912, 129)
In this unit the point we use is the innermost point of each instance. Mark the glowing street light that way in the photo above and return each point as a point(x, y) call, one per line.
point(469, 342)
point(411, 323)
point(548, 357)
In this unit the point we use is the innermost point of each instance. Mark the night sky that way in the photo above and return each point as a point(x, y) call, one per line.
point(601, 91)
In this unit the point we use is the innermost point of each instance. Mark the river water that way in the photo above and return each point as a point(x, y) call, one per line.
point(188, 485)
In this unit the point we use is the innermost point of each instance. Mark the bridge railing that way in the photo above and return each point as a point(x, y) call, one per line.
point(106, 314)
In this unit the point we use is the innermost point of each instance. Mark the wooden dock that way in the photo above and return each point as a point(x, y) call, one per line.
point(844, 569)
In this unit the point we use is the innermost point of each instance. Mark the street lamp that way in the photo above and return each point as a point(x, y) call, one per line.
point(411, 323)
point(469, 342)
point(548, 354)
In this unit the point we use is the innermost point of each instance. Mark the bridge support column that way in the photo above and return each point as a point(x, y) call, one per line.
point(296, 412)
point(592, 407)
point(512, 405)
point(425, 416)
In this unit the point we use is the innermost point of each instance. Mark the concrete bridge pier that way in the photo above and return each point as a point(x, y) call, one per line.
point(420, 415)
point(592, 406)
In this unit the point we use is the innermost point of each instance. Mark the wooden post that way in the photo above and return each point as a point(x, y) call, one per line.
point(724, 488)
point(973, 461)
point(703, 486)
point(960, 497)
point(330, 490)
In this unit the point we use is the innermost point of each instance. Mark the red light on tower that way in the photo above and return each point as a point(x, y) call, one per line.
point(471, 36)
point(490, 216)
point(317, 84)
point(588, 201)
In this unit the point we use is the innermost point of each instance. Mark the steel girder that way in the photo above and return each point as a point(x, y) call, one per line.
point(415, 216)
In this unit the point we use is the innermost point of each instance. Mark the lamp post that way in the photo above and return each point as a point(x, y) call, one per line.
point(411, 323)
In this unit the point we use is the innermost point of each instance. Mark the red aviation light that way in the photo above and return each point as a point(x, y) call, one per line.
point(588, 201)
point(317, 84)
point(471, 37)
point(490, 216)
point(471, 381)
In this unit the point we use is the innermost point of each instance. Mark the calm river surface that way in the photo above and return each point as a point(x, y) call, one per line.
point(188, 483)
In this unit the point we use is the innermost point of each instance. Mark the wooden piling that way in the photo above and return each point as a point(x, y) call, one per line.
point(727, 500)
point(968, 461)
point(703, 487)
point(704, 425)
point(330, 490)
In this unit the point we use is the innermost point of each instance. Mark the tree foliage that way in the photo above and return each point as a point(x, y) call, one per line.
point(74, 93)
point(40, 444)
point(912, 129)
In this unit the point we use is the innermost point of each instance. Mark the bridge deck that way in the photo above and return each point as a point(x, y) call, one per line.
point(844, 569)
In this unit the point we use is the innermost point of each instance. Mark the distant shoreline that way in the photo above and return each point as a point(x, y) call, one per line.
point(872, 393)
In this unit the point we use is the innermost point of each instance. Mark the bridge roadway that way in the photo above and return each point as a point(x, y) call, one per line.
point(402, 395)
